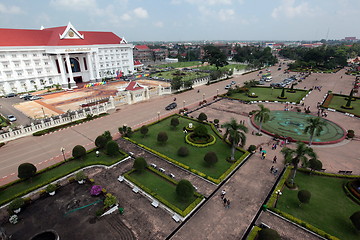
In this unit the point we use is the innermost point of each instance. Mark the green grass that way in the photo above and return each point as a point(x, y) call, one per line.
point(329, 208)
point(269, 94)
point(227, 67)
point(338, 100)
point(195, 159)
point(161, 186)
point(188, 75)
point(3, 122)
point(180, 64)
point(45, 177)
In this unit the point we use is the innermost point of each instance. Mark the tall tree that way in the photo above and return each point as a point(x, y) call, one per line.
point(301, 154)
point(262, 115)
point(314, 127)
point(235, 133)
point(176, 83)
point(214, 56)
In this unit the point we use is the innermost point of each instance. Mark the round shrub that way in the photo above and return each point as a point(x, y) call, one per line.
point(202, 117)
point(350, 133)
point(210, 158)
point(112, 148)
point(79, 176)
point(268, 234)
point(50, 188)
point(96, 190)
point(183, 151)
point(110, 200)
point(140, 164)
point(252, 148)
point(304, 196)
point(144, 130)
point(200, 130)
point(26, 170)
point(315, 164)
point(78, 151)
point(100, 141)
point(107, 136)
point(162, 137)
point(355, 219)
point(16, 204)
point(216, 121)
point(184, 190)
point(175, 122)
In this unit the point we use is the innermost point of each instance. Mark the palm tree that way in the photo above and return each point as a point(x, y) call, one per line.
point(302, 153)
point(262, 115)
point(235, 133)
point(314, 127)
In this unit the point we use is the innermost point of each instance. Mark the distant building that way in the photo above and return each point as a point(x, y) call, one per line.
point(35, 59)
point(350, 39)
point(143, 53)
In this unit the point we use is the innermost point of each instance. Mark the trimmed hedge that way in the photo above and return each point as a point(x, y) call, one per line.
point(200, 144)
point(328, 174)
point(254, 232)
point(183, 213)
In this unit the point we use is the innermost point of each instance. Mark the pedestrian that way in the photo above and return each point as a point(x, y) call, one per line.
point(260, 149)
point(271, 169)
point(198, 91)
point(264, 156)
point(228, 203)
point(274, 159)
point(275, 171)
point(225, 201)
point(223, 192)
point(273, 147)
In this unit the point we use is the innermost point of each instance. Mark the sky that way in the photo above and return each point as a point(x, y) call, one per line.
point(189, 20)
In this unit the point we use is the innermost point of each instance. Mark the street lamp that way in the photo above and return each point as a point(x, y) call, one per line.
point(278, 193)
point(62, 149)
point(158, 116)
point(185, 132)
point(217, 92)
point(43, 112)
point(184, 104)
point(203, 96)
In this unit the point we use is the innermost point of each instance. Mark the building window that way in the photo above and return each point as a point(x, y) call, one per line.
point(46, 63)
point(39, 72)
point(85, 65)
point(24, 55)
point(19, 74)
point(44, 54)
point(2, 56)
point(5, 66)
point(8, 75)
point(17, 65)
point(50, 81)
point(13, 55)
point(34, 55)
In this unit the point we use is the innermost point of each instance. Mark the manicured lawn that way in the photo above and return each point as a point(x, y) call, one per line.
point(338, 100)
point(195, 159)
point(161, 186)
point(227, 67)
point(180, 64)
point(186, 77)
point(48, 176)
point(269, 94)
point(329, 208)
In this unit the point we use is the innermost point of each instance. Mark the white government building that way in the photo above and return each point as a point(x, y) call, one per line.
point(35, 59)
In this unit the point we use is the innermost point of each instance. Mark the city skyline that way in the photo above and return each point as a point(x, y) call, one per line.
point(190, 20)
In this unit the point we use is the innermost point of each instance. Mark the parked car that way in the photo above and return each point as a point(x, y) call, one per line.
point(35, 98)
point(233, 82)
point(10, 95)
point(11, 118)
point(171, 106)
point(227, 86)
point(261, 82)
point(25, 96)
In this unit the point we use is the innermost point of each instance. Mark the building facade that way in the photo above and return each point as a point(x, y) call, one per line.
point(35, 59)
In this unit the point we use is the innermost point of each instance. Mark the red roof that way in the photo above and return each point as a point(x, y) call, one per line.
point(51, 37)
point(142, 47)
point(136, 62)
point(133, 86)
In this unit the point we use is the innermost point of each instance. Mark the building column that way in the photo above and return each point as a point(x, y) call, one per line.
point(64, 82)
point(90, 64)
point(72, 83)
point(97, 66)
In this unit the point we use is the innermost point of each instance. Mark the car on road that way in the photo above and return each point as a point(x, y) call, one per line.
point(227, 86)
point(11, 118)
point(171, 106)
point(35, 98)
point(25, 96)
point(10, 95)
point(233, 83)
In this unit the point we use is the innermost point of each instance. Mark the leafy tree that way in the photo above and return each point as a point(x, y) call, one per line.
point(79, 152)
point(26, 170)
point(268, 234)
point(176, 83)
point(214, 56)
point(162, 137)
point(314, 127)
point(262, 115)
point(304, 196)
point(175, 122)
point(282, 95)
point(112, 148)
point(183, 151)
point(301, 154)
point(107, 136)
point(202, 117)
point(140, 164)
point(210, 158)
point(315, 164)
point(235, 133)
point(144, 130)
point(184, 190)
point(188, 84)
point(125, 131)
point(200, 130)
point(355, 219)
point(100, 141)
point(110, 200)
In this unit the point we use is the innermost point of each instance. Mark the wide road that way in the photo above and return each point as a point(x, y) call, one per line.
point(45, 150)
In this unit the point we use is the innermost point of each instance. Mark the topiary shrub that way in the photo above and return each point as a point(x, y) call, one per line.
point(16, 204)
point(355, 219)
point(140, 164)
point(100, 141)
point(200, 131)
point(112, 148)
point(304, 196)
point(211, 158)
point(79, 176)
point(95, 190)
point(79, 152)
point(350, 134)
point(26, 170)
point(144, 130)
point(174, 122)
point(252, 148)
point(110, 200)
point(183, 151)
point(202, 117)
point(162, 137)
point(268, 234)
point(50, 188)
point(107, 136)
point(184, 190)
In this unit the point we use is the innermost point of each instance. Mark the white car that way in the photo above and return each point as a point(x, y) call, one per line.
point(11, 118)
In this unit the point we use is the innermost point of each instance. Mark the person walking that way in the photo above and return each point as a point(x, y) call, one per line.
point(274, 159)
point(225, 202)
point(271, 169)
point(223, 192)
point(228, 203)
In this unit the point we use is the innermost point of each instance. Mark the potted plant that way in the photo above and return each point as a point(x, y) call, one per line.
point(50, 189)
point(16, 205)
point(95, 190)
point(80, 177)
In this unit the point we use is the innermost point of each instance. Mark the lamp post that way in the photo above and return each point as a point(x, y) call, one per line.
point(278, 193)
point(158, 113)
point(217, 92)
point(62, 149)
point(43, 112)
point(272, 89)
point(184, 104)
point(203, 96)
point(185, 132)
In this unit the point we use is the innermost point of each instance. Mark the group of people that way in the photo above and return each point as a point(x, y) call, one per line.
point(274, 170)
point(226, 201)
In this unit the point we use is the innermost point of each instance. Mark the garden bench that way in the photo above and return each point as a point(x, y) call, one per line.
point(162, 170)
point(342, 172)
point(132, 154)
point(322, 170)
point(348, 172)
point(155, 204)
point(135, 189)
point(176, 218)
point(153, 165)
point(172, 175)
point(120, 178)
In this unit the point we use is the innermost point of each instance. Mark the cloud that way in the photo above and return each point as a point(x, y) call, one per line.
point(289, 10)
point(126, 17)
point(218, 15)
point(140, 12)
point(75, 5)
point(226, 14)
point(10, 9)
point(204, 2)
point(159, 24)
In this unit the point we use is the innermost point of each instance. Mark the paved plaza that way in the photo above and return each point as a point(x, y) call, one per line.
point(247, 188)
